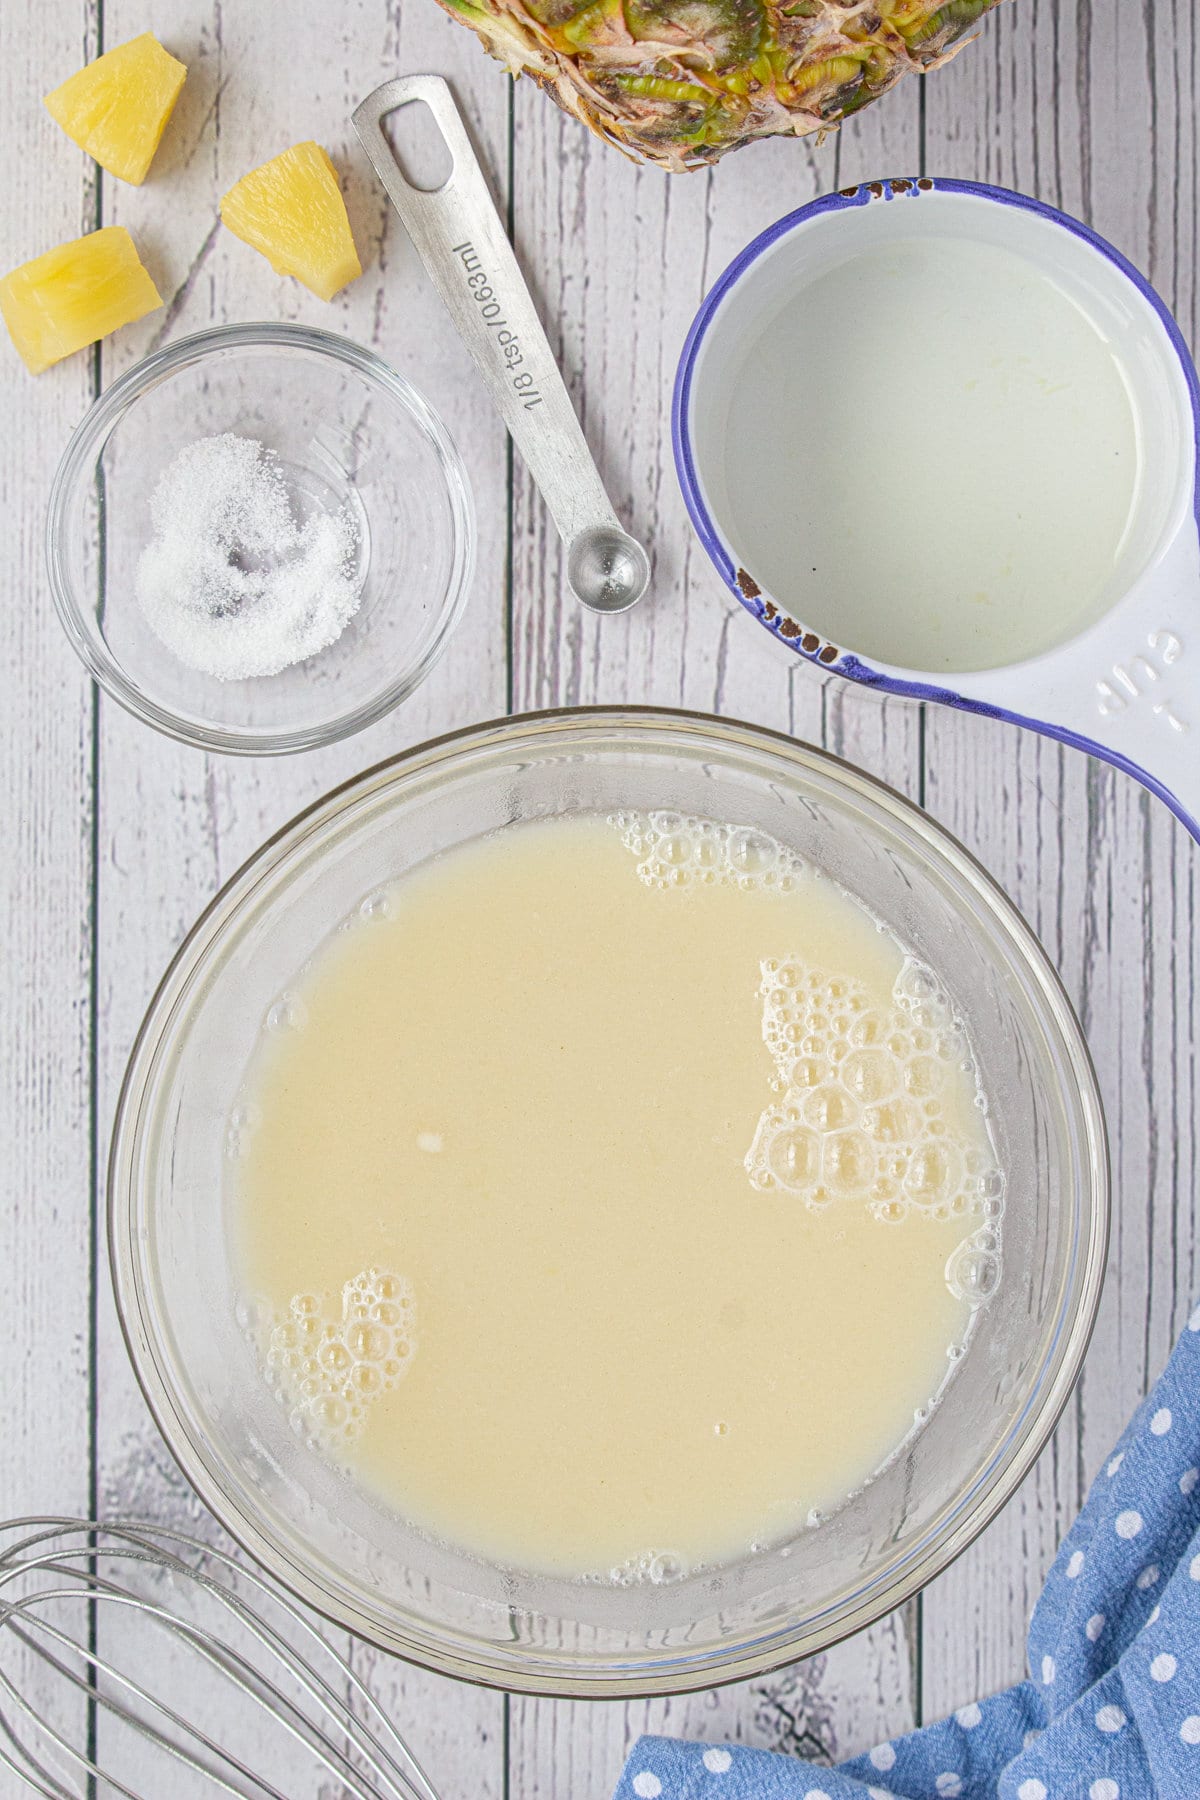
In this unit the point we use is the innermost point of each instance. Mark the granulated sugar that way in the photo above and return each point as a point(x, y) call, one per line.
point(233, 584)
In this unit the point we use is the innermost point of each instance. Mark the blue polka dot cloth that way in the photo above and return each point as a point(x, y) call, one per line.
point(1111, 1708)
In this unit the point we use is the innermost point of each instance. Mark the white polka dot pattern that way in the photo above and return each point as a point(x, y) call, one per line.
point(1094, 1626)
point(883, 1758)
point(1033, 1789)
point(1163, 1667)
point(1075, 1566)
point(1110, 1718)
point(968, 1716)
point(1128, 1523)
point(1189, 1731)
point(647, 1786)
point(1160, 1424)
point(717, 1761)
point(949, 1785)
point(1187, 1482)
point(1048, 1670)
point(1104, 1789)
point(1148, 1576)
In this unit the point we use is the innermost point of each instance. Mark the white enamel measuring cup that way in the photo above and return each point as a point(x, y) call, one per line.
point(1125, 688)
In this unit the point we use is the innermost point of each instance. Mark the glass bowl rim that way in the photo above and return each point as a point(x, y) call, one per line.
point(87, 442)
point(447, 1650)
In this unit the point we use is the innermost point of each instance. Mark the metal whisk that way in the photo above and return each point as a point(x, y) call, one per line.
point(98, 1622)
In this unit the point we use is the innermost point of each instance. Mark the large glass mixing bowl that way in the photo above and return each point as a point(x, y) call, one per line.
point(364, 1566)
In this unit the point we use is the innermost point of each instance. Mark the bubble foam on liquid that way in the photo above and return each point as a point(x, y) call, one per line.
point(288, 1013)
point(863, 1097)
point(862, 1090)
point(974, 1269)
point(676, 850)
point(328, 1371)
point(653, 1568)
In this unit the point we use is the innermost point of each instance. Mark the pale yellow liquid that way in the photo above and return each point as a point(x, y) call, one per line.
point(623, 1319)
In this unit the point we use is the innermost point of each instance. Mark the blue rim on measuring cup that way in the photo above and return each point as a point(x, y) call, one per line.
point(800, 639)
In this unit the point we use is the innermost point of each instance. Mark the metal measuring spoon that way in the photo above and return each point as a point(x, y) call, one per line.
point(458, 235)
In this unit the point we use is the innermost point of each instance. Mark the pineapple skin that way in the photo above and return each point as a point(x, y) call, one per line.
point(679, 82)
point(291, 209)
point(116, 108)
point(74, 295)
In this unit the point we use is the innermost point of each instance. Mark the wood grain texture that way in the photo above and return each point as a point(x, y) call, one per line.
point(46, 863)
point(114, 839)
point(1103, 872)
point(46, 866)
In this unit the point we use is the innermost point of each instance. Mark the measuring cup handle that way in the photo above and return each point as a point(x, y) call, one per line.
point(459, 236)
point(1128, 689)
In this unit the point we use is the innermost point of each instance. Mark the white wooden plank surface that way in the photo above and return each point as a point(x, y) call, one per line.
point(46, 862)
point(1104, 874)
point(113, 840)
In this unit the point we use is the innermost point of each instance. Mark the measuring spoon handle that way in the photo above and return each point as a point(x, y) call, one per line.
point(461, 240)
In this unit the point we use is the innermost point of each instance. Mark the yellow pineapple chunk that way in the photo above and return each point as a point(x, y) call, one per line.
point(73, 295)
point(117, 107)
point(292, 210)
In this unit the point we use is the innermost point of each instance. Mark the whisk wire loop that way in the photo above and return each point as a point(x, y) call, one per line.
point(342, 1730)
point(94, 1693)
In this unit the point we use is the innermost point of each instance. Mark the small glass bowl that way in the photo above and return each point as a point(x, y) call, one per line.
point(347, 431)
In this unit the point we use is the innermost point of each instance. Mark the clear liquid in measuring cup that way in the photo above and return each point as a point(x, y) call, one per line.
point(931, 457)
